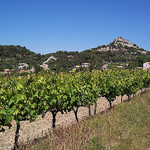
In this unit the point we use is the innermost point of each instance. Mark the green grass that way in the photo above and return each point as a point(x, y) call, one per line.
point(125, 127)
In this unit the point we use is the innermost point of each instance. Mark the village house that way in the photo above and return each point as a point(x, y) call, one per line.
point(23, 65)
point(76, 67)
point(85, 64)
point(146, 66)
point(105, 67)
point(7, 70)
point(45, 66)
point(120, 67)
point(70, 56)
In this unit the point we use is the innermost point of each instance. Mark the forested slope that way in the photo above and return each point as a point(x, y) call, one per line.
point(11, 56)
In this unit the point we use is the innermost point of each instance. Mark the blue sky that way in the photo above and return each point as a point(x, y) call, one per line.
point(46, 26)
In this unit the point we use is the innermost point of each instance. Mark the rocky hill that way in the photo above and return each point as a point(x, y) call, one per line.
point(120, 44)
point(120, 52)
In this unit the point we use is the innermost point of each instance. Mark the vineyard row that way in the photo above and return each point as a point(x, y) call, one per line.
point(24, 98)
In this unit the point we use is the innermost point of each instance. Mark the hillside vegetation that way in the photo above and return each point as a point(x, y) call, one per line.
point(112, 53)
point(11, 56)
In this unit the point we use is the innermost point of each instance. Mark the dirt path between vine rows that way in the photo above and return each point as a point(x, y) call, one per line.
point(38, 128)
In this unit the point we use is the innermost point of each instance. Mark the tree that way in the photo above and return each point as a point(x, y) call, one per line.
point(140, 60)
point(37, 68)
point(133, 65)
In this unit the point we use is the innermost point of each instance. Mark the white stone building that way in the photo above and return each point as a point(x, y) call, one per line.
point(146, 66)
point(124, 42)
point(85, 64)
point(45, 66)
point(23, 65)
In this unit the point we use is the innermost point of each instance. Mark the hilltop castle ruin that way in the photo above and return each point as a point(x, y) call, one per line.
point(124, 42)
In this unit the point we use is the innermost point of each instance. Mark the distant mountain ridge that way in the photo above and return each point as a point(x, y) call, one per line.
point(120, 51)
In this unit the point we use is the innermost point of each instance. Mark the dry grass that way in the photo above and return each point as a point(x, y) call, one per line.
point(125, 127)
